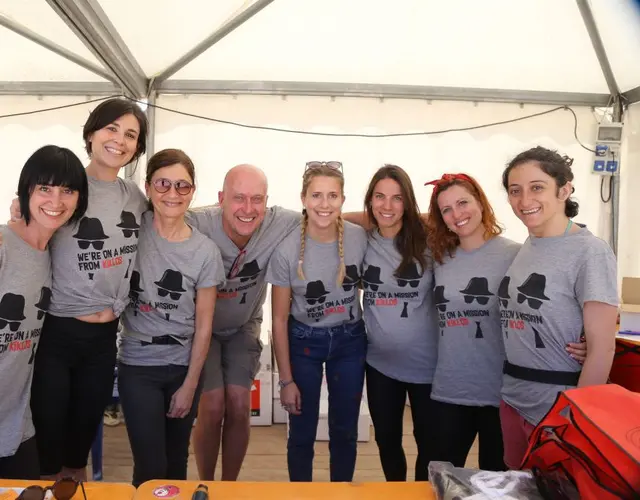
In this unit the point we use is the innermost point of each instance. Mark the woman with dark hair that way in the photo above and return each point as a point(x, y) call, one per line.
point(52, 192)
point(401, 328)
point(470, 261)
point(561, 285)
point(168, 323)
point(92, 263)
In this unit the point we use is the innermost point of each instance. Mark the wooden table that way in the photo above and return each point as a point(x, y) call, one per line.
point(226, 490)
point(95, 491)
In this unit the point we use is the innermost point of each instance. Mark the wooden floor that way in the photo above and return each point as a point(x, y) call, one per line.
point(266, 459)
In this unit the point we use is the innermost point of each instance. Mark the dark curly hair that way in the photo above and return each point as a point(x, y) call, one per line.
point(552, 164)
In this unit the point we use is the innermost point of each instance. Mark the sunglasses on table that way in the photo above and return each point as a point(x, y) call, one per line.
point(62, 489)
point(164, 185)
point(336, 165)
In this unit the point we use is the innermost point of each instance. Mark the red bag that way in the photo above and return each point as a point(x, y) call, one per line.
point(625, 370)
point(591, 438)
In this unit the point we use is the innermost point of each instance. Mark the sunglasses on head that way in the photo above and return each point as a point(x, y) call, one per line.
point(62, 489)
point(335, 165)
point(164, 185)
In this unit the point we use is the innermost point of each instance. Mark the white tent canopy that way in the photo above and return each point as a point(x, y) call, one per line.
point(547, 51)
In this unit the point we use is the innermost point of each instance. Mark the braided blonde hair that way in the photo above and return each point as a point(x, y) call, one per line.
point(309, 175)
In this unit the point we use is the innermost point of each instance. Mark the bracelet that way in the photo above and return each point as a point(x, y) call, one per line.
point(284, 383)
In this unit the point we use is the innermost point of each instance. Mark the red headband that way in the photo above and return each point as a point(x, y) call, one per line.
point(448, 178)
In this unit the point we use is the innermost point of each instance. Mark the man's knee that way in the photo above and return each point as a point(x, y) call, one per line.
point(212, 406)
point(237, 403)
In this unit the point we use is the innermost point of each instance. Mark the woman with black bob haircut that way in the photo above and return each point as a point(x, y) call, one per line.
point(561, 285)
point(52, 193)
point(92, 263)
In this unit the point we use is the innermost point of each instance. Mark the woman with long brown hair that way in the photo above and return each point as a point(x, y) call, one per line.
point(401, 329)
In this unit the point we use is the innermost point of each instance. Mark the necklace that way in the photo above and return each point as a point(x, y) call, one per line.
point(568, 227)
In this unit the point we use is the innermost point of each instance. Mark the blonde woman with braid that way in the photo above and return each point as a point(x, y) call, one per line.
point(317, 323)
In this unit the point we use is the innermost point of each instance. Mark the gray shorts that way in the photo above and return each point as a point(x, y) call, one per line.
point(232, 360)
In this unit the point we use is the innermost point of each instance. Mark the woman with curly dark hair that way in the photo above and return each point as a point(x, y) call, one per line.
point(562, 285)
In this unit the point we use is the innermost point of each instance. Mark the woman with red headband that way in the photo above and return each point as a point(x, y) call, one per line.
point(471, 259)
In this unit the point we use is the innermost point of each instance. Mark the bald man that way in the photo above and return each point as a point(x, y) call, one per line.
point(246, 232)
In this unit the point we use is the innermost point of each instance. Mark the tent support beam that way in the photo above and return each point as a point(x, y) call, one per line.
point(598, 46)
point(92, 26)
point(59, 88)
point(234, 87)
point(212, 39)
point(615, 187)
point(632, 95)
point(54, 47)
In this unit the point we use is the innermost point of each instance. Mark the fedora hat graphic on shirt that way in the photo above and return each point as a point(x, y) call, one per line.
point(439, 298)
point(410, 276)
point(503, 289)
point(135, 282)
point(90, 229)
point(171, 280)
point(316, 292)
point(11, 311)
point(127, 221)
point(371, 278)
point(532, 290)
point(477, 289)
point(44, 302)
point(45, 298)
point(534, 286)
point(351, 278)
point(170, 284)
point(249, 271)
point(128, 224)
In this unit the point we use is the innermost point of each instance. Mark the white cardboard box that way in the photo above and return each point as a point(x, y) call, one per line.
point(630, 306)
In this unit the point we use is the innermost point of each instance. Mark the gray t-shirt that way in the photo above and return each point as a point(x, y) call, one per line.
point(470, 347)
point(93, 259)
point(164, 283)
point(541, 302)
point(319, 300)
point(240, 300)
point(398, 312)
point(25, 294)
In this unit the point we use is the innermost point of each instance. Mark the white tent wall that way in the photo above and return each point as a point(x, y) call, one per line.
point(215, 147)
point(482, 153)
point(629, 240)
point(21, 136)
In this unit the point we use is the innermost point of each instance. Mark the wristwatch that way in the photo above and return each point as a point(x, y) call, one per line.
point(284, 383)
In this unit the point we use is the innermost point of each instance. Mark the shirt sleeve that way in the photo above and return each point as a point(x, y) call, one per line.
point(200, 218)
point(212, 272)
point(597, 279)
point(278, 269)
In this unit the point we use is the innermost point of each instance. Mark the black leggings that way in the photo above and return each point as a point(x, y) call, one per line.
point(72, 384)
point(23, 464)
point(160, 445)
point(387, 398)
point(458, 426)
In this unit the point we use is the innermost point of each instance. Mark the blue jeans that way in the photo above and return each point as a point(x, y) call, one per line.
point(343, 349)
